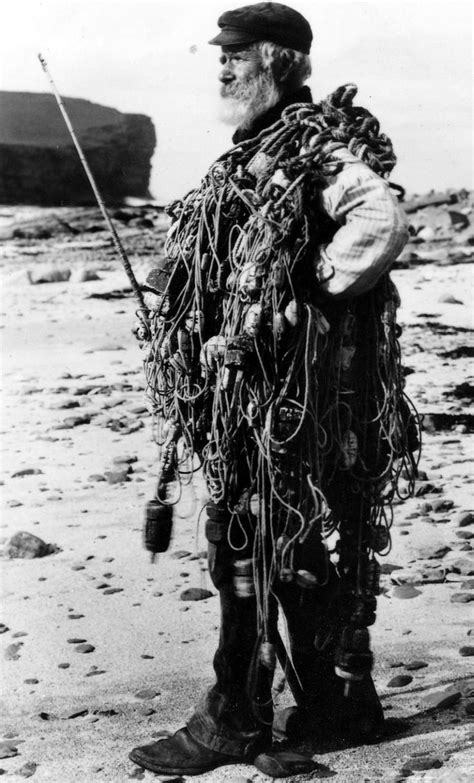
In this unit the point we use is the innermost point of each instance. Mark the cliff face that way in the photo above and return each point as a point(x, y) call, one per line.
point(39, 163)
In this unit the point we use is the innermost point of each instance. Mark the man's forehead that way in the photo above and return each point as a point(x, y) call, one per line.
point(248, 51)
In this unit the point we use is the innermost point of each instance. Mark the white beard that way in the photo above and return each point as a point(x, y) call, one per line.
point(243, 102)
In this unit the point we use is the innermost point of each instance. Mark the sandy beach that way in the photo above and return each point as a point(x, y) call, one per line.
point(99, 653)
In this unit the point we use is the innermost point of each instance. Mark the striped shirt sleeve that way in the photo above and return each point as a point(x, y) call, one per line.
point(373, 229)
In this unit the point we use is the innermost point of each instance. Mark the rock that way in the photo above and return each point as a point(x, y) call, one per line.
point(31, 681)
point(7, 750)
point(441, 505)
point(26, 545)
point(77, 713)
point(405, 592)
point(420, 763)
point(84, 648)
point(40, 164)
point(3, 628)
point(63, 665)
point(47, 274)
point(117, 476)
point(75, 616)
point(446, 697)
point(434, 550)
point(465, 534)
point(27, 472)
point(463, 518)
point(469, 708)
point(126, 459)
point(466, 651)
point(387, 568)
point(415, 665)
point(449, 299)
point(147, 693)
point(12, 651)
point(424, 508)
point(464, 565)
point(180, 554)
point(112, 590)
point(195, 594)
point(400, 681)
point(462, 598)
point(76, 641)
point(83, 275)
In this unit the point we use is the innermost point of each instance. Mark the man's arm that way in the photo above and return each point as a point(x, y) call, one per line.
point(373, 229)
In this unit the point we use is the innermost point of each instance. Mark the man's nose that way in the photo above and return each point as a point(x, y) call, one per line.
point(226, 75)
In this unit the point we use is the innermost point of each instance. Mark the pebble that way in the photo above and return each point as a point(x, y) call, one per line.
point(421, 763)
point(425, 508)
point(7, 750)
point(126, 459)
point(465, 534)
point(466, 651)
point(399, 681)
point(12, 651)
point(405, 591)
point(78, 713)
point(14, 503)
point(3, 628)
point(446, 697)
point(27, 472)
point(195, 594)
point(147, 693)
point(112, 590)
point(464, 566)
point(31, 681)
point(116, 476)
point(75, 616)
point(463, 518)
point(145, 711)
point(442, 504)
point(76, 641)
point(19, 634)
point(415, 665)
point(462, 598)
point(84, 648)
point(180, 554)
point(63, 665)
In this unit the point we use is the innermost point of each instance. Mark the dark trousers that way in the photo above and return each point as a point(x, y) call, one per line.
point(236, 713)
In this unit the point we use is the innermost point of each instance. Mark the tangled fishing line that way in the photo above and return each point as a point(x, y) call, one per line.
point(280, 394)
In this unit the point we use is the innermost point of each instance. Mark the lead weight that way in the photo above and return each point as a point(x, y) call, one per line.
point(267, 655)
point(379, 538)
point(252, 320)
point(292, 312)
point(306, 579)
point(243, 578)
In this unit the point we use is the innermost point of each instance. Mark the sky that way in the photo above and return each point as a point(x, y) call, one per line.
point(412, 62)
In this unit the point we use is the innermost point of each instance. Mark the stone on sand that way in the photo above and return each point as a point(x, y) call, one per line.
point(27, 546)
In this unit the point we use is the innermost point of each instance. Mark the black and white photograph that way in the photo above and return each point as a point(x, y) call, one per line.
point(236, 531)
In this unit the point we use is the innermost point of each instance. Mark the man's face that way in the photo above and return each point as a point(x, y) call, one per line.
point(247, 87)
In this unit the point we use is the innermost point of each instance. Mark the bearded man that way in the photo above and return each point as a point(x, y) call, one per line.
point(275, 359)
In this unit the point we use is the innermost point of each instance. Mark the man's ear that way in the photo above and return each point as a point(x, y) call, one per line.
point(283, 67)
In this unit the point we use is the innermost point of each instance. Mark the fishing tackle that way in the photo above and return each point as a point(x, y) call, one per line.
point(243, 580)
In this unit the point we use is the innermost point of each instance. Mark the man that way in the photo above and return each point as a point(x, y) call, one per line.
point(275, 359)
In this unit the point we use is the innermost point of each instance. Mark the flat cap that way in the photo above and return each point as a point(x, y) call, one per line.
point(273, 22)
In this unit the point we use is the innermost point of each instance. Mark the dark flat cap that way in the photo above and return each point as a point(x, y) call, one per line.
point(264, 22)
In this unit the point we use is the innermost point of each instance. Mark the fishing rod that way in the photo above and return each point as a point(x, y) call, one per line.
point(142, 310)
